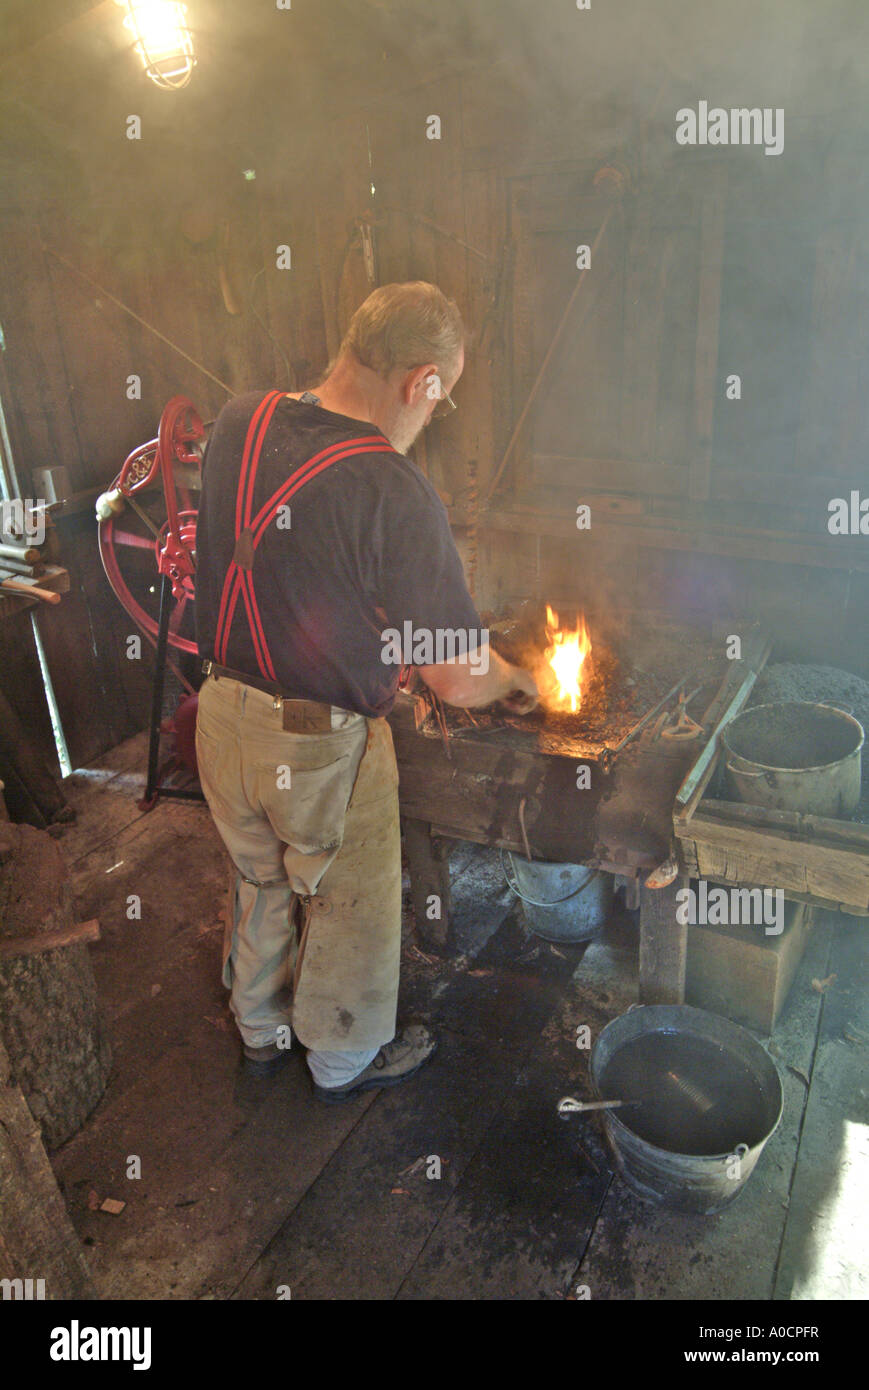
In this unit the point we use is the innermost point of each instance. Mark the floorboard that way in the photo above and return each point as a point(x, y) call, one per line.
point(249, 1185)
point(827, 1233)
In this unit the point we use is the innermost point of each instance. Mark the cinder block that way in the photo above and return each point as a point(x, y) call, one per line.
point(743, 974)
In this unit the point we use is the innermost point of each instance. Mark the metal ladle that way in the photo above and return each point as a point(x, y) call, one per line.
point(569, 1106)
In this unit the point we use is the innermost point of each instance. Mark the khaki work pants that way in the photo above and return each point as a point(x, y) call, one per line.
point(311, 825)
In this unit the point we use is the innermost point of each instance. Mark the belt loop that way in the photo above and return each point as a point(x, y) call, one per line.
point(278, 704)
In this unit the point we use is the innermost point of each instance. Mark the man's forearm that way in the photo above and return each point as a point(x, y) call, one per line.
point(457, 683)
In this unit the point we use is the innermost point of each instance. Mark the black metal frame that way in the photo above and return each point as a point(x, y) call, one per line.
point(153, 790)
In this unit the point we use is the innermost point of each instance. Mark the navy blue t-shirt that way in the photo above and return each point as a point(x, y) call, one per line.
point(366, 546)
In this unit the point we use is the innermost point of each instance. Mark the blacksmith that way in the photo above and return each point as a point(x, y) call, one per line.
point(317, 536)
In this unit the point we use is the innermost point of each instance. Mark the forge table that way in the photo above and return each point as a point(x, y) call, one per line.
point(483, 787)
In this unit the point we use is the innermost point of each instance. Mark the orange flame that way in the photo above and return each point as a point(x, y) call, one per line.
point(566, 654)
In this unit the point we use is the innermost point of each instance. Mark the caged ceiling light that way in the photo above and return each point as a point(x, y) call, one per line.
point(162, 39)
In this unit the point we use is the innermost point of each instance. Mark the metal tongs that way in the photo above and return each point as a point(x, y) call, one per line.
point(683, 727)
point(610, 754)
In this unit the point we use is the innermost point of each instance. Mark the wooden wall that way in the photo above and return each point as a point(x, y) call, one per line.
point(717, 262)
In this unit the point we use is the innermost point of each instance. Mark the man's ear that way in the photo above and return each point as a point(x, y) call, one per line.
point(415, 388)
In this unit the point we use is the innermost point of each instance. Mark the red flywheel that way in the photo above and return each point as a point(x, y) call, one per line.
point(147, 524)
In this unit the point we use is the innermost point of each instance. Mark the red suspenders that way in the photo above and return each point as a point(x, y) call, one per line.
point(249, 530)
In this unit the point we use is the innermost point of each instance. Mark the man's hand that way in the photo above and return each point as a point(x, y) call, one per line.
point(458, 684)
point(522, 699)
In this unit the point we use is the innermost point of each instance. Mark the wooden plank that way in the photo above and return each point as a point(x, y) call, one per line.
point(821, 862)
point(689, 864)
point(208, 1124)
point(484, 379)
point(706, 383)
point(478, 837)
point(523, 356)
point(620, 475)
point(22, 684)
point(497, 1239)
point(482, 804)
point(663, 945)
point(823, 1251)
point(583, 395)
point(794, 824)
point(428, 861)
point(342, 181)
point(100, 349)
point(603, 502)
point(646, 274)
point(830, 552)
point(836, 321)
point(445, 1111)
point(661, 478)
point(675, 436)
point(291, 301)
point(736, 688)
point(36, 388)
point(664, 207)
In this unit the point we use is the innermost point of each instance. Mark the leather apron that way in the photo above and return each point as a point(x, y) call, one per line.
point(345, 989)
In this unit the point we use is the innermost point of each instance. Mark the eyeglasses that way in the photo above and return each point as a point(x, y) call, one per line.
point(445, 406)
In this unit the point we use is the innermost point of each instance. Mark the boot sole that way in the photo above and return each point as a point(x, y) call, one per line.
point(331, 1097)
point(275, 1064)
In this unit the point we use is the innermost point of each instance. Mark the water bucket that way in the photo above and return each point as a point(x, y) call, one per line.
point(709, 1099)
point(561, 902)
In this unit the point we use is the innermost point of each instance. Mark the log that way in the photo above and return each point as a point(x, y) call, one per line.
point(50, 940)
point(39, 1250)
point(50, 1025)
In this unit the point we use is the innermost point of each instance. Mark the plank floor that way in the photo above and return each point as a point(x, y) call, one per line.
point(463, 1184)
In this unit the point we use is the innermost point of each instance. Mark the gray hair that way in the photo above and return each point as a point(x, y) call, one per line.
point(406, 326)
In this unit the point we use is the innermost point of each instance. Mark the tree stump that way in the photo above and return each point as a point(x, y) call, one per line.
point(40, 1253)
point(50, 1024)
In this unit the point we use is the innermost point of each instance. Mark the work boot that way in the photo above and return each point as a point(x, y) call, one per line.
point(264, 1061)
point(395, 1062)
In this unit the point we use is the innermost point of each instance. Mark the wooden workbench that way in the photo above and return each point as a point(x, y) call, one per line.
point(481, 790)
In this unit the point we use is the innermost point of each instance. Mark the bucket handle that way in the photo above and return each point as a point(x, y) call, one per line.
point(743, 772)
point(594, 870)
point(840, 709)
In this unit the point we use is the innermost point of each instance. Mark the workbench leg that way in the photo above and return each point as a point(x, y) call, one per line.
point(663, 945)
point(152, 786)
point(428, 859)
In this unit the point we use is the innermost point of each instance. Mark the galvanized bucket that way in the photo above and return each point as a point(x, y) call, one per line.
point(795, 756)
point(698, 1082)
point(561, 902)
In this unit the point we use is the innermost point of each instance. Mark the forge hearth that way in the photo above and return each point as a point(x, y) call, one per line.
point(635, 660)
point(550, 776)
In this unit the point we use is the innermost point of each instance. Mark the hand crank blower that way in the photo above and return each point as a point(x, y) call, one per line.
point(158, 480)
